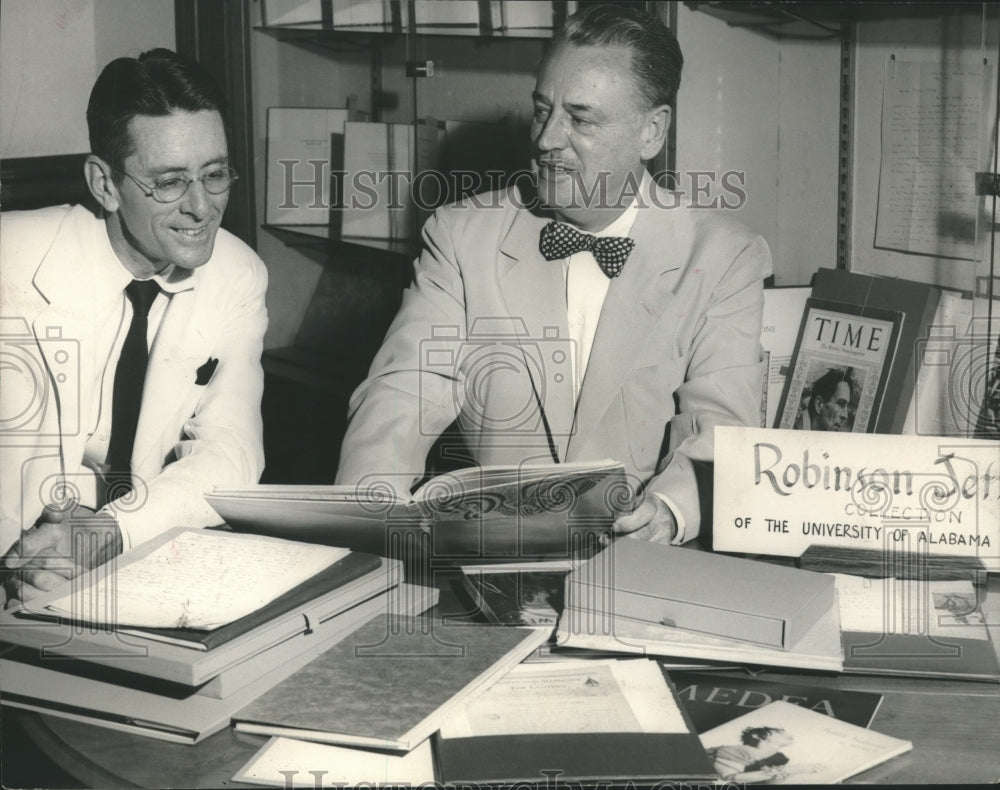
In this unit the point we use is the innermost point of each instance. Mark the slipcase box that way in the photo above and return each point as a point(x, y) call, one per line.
point(699, 591)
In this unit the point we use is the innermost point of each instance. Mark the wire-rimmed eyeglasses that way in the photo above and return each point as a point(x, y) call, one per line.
point(172, 188)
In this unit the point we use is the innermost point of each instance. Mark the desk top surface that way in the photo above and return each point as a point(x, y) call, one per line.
point(953, 725)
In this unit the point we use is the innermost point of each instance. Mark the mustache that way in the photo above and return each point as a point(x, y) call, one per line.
point(548, 161)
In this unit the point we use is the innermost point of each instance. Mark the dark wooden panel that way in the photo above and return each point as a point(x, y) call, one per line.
point(217, 35)
point(38, 181)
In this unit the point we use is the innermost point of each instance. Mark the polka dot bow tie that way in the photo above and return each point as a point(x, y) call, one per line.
point(560, 241)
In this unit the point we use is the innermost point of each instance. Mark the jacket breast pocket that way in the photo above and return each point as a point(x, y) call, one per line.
point(648, 395)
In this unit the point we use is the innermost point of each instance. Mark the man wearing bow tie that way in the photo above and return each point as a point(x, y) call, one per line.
point(131, 338)
point(660, 303)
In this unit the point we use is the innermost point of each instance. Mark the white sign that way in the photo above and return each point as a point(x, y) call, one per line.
point(780, 491)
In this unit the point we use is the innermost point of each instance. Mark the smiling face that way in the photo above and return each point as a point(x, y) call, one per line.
point(591, 133)
point(146, 235)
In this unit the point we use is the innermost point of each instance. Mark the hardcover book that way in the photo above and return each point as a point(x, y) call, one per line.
point(918, 628)
point(389, 688)
point(842, 360)
point(916, 302)
point(159, 655)
point(819, 649)
point(304, 145)
point(202, 588)
point(130, 702)
point(782, 743)
point(477, 513)
point(584, 721)
point(382, 162)
point(757, 602)
point(711, 699)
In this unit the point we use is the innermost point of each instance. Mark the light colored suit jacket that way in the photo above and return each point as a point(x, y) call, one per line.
point(191, 435)
point(479, 333)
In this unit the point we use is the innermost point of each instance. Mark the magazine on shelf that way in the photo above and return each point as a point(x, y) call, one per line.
point(918, 304)
point(840, 367)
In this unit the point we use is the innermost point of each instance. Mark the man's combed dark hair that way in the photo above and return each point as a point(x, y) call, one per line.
point(156, 83)
point(656, 55)
point(752, 736)
point(825, 386)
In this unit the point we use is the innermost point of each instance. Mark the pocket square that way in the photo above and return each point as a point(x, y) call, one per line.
point(205, 372)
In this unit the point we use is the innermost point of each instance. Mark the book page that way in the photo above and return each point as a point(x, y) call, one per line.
point(783, 308)
point(907, 606)
point(931, 116)
point(199, 579)
point(596, 696)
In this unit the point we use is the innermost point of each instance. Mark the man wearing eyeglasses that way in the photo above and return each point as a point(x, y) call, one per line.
point(131, 340)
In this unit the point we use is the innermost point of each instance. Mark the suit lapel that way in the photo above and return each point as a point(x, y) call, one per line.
point(534, 291)
point(635, 302)
point(180, 347)
point(67, 277)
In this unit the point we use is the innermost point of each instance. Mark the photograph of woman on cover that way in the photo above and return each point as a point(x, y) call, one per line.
point(829, 402)
point(758, 759)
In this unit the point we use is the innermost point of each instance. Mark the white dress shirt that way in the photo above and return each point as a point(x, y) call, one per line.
point(112, 327)
point(586, 288)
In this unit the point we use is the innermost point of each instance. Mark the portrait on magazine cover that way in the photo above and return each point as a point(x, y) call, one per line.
point(829, 402)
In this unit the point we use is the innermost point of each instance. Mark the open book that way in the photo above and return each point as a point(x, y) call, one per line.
point(202, 588)
point(496, 511)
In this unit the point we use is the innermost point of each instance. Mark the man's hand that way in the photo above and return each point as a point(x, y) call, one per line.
point(651, 521)
point(63, 543)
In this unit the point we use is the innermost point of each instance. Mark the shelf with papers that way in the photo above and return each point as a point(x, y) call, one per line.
point(358, 36)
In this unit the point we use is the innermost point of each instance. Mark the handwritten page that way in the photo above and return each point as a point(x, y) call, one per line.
point(905, 606)
point(931, 121)
point(594, 696)
point(199, 579)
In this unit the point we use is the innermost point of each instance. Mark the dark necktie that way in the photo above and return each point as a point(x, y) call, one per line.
point(127, 397)
point(560, 241)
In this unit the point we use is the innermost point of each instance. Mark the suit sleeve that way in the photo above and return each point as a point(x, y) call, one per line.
point(723, 381)
point(222, 443)
point(413, 391)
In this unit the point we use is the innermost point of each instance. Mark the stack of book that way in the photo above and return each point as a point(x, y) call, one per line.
point(172, 638)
